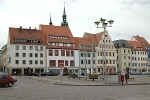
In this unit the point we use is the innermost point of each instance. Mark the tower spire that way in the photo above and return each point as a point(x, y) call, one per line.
point(64, 16)
point(64, 13)
point(50, 20)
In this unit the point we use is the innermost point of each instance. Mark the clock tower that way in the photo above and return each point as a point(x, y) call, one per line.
point(64, 16)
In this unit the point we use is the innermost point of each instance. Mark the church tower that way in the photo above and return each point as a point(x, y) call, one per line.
point(64, 17)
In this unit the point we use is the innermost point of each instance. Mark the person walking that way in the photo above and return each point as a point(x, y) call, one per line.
point(122, 79)
point(126, 77)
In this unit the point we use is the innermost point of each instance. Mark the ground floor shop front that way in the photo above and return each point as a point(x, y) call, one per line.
point(23, 71)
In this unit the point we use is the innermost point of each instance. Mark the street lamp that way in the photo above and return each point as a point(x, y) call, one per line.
point(104, 25)
point(40, 50)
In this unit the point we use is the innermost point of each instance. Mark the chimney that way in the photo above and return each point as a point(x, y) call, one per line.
point(29, 29)
point(20, 29)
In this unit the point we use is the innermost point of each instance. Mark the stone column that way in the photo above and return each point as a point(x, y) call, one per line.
point(22, 72)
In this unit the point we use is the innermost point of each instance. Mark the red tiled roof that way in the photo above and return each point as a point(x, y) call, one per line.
point(95, 37)
point(142, 41)
point(56, 30)
point(134, 45)
point(19, 33)
point(84, 41)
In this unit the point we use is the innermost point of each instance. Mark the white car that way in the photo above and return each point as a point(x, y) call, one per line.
point(15, 78)
point(98, 73)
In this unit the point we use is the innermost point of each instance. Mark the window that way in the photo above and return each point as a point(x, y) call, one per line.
point(113, 54)
point(36, 54)
point(23, 61)
point(93, 54)
point(66, 62)
point(113, 61)
point(36, 47)
point(41, 54)
point(124, 51)
point(71, 63)
point(106, 61)
point(36, 62)
point(59, 62)
point(52, 62)
point(17, 54)
point(56, 53)
point(81, 54)
point(67, 53)
point(129, 57)
point(30, 61)
point(106, 53)
point(31, 48)
point(110, 62)
point(88, 54)
point(50, 52)
point(30, 54)
point(17, 47)
point(72, 53)
point(41, 62)
point(16, 61)
point(56, 44)
point(62, 52)
point(128, 51)
point(109, 53)
point(23, 54)
point(65, 44)
point(82, 62)
point(89, 61)
point(41, 48)
point(24, 48)
point(93, 61)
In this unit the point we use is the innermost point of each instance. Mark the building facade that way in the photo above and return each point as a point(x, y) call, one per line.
point(124, 56)
point(25, 51)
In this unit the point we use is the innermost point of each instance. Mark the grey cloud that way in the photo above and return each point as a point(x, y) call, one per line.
point(131, 2)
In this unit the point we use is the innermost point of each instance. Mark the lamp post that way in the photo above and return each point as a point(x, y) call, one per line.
point(79, 63)
point(104, 25)
point(74, 58)
point(85, 61)
point(40, 50)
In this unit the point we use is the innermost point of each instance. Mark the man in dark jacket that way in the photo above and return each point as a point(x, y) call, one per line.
point(126, 77)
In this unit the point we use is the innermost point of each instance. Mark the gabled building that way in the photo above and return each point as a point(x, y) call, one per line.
point(139, 57)
point(145, 45)
point(87, 55)
point(124, 55)
point(111, 54)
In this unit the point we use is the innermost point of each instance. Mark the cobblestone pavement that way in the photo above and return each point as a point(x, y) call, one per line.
point(28, 88)
point(138, 79)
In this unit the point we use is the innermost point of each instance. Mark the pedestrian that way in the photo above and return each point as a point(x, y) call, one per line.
point(122, 79)
point(126, 77)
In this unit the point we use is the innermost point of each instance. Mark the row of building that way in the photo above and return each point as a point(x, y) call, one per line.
point(53, 48)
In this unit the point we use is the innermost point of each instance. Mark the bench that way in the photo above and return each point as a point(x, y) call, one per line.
point(131, 79)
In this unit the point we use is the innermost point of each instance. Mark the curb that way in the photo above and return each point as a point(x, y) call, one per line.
point(65, 84)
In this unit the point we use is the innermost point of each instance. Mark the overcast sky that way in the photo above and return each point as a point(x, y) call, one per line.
point(132, 17)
